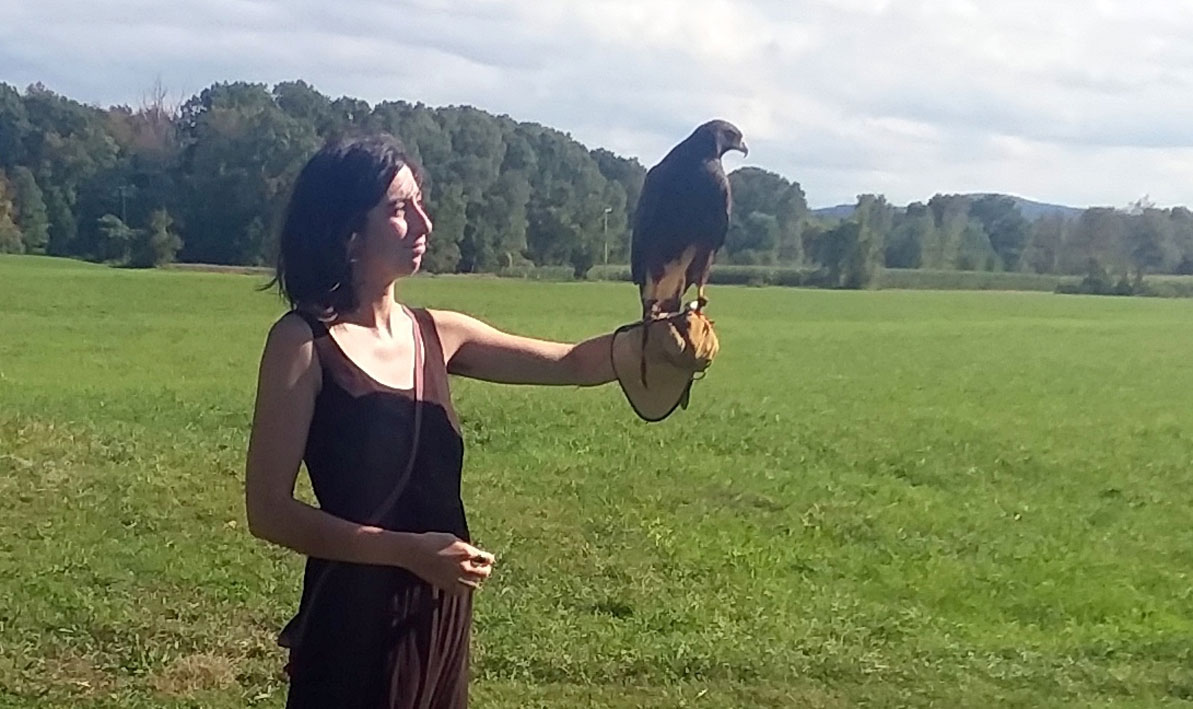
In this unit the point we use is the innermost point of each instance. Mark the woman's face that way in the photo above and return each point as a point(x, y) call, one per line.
point(394, 237)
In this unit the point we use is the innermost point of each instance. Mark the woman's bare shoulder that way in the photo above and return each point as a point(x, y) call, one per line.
point(290, 331)
point(290, 349)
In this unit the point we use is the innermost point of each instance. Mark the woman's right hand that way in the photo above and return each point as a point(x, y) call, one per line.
point(448, 562)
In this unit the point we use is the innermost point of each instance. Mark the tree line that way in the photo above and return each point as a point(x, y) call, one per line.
point(205, 181)
point(990, 233)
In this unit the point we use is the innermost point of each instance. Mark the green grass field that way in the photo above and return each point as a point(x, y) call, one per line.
point(877, 499)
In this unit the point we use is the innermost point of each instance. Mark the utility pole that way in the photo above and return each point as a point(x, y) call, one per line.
point(123, 189)
point(605, 231)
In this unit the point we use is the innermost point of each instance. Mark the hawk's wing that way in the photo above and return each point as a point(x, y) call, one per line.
point(645, 230)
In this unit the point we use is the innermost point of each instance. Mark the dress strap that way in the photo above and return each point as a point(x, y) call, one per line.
point(436, 390)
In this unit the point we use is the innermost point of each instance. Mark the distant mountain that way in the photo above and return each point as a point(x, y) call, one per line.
point(1033, 210)
point(841, 211)
point(1030, 209)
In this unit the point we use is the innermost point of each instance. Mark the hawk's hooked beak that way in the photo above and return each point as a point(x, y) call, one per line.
point(745, 149)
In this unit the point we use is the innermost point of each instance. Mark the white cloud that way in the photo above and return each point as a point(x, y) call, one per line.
point(1070, 101)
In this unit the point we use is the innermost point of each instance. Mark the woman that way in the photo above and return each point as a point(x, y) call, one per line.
point(356, 385)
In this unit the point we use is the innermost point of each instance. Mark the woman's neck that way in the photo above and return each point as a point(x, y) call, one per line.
point(375, 309)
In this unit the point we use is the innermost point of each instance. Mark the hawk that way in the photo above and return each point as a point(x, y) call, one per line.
point(682, 218)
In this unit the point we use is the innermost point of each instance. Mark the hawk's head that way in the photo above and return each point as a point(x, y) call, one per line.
point(719, 137)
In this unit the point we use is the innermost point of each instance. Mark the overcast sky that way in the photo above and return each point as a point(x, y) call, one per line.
point(1081, 102)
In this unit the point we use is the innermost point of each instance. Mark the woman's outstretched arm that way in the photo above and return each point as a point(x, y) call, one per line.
point(475, 349)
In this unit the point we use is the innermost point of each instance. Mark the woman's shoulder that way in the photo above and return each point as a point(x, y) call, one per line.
point(292, 337)
point(454, 323)
point(450, 327)
point(292, 327)
point(443, 321)
point(289, 361)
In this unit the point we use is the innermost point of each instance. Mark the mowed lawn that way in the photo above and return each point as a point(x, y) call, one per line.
point(876, 499)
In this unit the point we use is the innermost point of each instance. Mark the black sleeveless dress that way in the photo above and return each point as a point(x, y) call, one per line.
point(379, 637)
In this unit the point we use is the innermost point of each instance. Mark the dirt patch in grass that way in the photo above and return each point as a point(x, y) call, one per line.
point(190, 674)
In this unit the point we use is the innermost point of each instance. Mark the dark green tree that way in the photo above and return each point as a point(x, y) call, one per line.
point(910, 231)
point(1098, 236)
point(975, 252)
point(1004, 225)
point(753, 240)
point(301, 101)
point(950, 215)
point(850, 254)
point(831, 250)
point(874, 217)
point(1048, 235)
point(14, 128)
point(157, 244)
point(241, 153)
point(447, 208)
point(1182, 238)
point(1151, 240)
point(10, 235)
point(116, 239)
point(29, 210)
point(757, 191)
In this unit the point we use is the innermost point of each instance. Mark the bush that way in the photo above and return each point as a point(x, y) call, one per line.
point(1154, 287)
point(538, 273)
point(761, 276)
point(610, 272)
point(1098, 281)
point(1170, 286)
point(927, 279)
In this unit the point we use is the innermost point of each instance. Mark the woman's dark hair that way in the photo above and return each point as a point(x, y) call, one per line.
point(331, 196)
